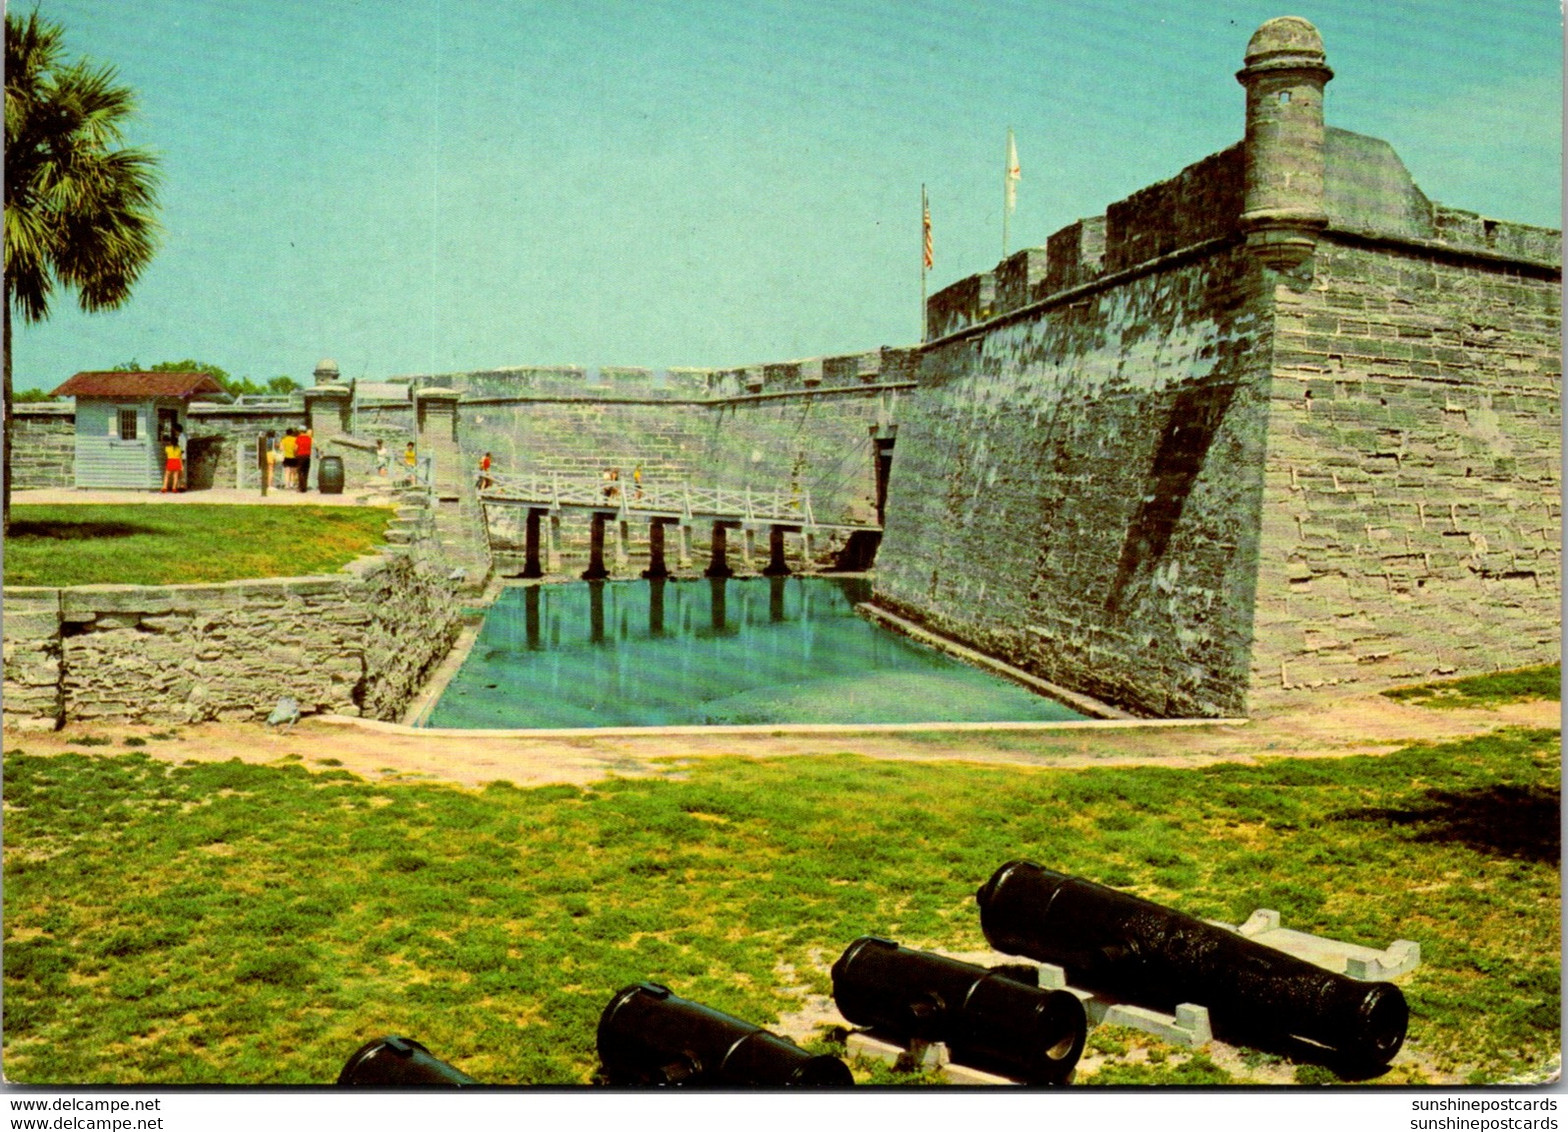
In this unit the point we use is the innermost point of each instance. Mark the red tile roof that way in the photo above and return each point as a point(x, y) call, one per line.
point(120, 383)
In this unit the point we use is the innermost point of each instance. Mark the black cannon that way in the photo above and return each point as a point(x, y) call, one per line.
point(988, 1019)
point(1137, 951)
point(399, 1063)
point(651, 1036)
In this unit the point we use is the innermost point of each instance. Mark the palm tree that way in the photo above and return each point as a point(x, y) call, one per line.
point(79, 207)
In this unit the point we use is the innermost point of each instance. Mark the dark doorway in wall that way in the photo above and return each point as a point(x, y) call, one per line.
point(884, 459)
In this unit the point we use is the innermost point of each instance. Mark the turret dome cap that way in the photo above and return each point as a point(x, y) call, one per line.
point(1284, 35)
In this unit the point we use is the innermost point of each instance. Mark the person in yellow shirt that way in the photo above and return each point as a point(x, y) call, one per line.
point(173, 465)
point(290, 460)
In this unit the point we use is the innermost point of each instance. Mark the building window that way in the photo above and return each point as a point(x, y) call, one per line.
point(127, 424)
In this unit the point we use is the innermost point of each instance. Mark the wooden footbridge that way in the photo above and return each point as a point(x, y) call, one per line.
point(615, 504)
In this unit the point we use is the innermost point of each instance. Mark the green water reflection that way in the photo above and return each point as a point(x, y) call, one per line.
point(752, 650)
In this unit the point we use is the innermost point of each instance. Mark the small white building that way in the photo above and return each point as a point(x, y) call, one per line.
point(123, 420)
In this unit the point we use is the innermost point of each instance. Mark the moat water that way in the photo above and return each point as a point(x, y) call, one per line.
point(741, 651)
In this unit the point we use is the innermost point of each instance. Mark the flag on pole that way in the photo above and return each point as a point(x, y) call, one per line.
point(925, 224)
point(1013, 173)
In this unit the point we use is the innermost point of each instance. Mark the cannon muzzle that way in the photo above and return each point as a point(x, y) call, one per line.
point(987, 1019)
point(390, 1063)
point(1143, 953)
point(651, 1036)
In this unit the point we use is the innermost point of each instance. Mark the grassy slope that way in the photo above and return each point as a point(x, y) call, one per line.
point(140, 544)
point(1540, 683)
point(237, 923)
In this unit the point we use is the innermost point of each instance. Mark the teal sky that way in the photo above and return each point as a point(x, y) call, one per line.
point(435, 185)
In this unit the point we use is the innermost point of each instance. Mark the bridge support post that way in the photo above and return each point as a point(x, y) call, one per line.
point(748, 549)
point(656, 567)
point(531, 617)
point(683, 546)
point(596, 570)
point(596, 613)
point(718, 562)
point(623, 541)
point(531, 545)
point(552, 544)
point(807, 563)
point(776, 566)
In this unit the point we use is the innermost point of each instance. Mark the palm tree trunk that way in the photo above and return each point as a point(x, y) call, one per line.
point(7, 441)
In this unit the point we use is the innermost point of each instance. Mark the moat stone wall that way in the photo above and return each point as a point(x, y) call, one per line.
point(359, 642)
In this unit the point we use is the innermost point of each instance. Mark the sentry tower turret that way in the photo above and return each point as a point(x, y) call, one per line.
point(1285, 74)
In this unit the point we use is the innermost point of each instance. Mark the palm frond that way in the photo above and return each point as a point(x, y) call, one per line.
point(80, 210)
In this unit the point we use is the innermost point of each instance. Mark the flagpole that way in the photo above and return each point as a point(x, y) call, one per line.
point(1006, 171)
point(925, 242)
point(1007, 189)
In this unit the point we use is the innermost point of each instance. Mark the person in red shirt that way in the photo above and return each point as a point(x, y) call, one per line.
point(302, 453)
point(484, 471)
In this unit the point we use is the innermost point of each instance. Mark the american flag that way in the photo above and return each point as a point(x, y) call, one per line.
point(925, 211)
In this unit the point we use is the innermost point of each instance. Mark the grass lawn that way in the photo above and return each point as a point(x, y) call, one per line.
point(200, 923)
point(142, 544)
point(1541, 683)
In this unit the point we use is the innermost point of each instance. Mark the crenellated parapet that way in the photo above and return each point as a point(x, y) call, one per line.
point(844, 373)
point(1290, 183)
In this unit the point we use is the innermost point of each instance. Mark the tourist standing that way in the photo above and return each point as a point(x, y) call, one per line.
point(484, 471)
point(290, 459)
point(383, 457)
point(302, 450)
point(411, 461)
point(171, 466)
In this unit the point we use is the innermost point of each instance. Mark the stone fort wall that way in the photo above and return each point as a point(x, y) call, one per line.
point(1412, 510)
point(811, 422)
point(1148, 464)
point(1077, 491)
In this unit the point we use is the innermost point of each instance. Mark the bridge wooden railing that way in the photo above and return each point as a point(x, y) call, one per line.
point(630, 498)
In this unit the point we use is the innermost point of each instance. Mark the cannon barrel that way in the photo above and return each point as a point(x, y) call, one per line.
point(650, 1036)
point(987, 1019)
point(399, 1062)
point(1140, 952)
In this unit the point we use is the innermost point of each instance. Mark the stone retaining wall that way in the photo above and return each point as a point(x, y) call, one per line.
point(43, 446)
point(358, 642)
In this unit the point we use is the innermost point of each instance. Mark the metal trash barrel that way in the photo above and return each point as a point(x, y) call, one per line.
point(399, 1063)
point(651, 1036)
point(988, 1019)
point(1152, 956)
point(329, 475)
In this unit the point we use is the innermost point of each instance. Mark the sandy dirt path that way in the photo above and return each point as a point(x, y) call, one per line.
point(1357, 725)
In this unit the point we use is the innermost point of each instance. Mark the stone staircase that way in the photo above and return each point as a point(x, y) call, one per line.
point(459, 527)
point(454, 527)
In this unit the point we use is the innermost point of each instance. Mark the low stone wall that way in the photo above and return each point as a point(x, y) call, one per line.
point(358, 642)
point(43, 446)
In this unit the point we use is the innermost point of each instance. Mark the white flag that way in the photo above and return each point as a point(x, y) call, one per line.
point(1013, 173)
